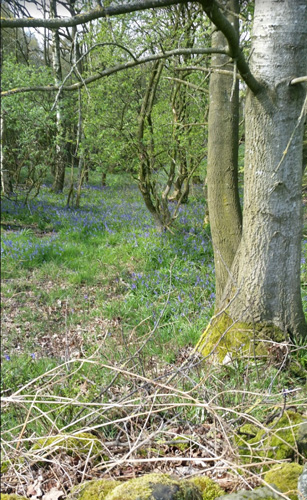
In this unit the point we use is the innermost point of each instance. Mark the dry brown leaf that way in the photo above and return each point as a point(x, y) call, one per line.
point(34, 490)
point(53, 494)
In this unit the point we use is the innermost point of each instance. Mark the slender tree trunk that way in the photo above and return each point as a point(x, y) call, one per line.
point(59, 178)
point(305, 143)
point(222, 170)
point(179, 108)
point(6, 181)
point(147, 185)
point(103, 179)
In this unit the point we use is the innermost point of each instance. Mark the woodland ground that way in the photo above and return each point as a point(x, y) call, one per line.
point(100, 316)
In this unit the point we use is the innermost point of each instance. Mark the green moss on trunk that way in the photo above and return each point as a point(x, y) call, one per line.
point(225, 339)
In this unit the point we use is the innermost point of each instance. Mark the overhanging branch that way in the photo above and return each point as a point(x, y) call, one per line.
point(300, 79)
point(211, 8)
point(221, 22)
point(97, 13)
point(112, 70)
point(188, 84)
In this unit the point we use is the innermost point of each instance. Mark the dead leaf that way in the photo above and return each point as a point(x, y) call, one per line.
point(34, 490)
point(53, 494)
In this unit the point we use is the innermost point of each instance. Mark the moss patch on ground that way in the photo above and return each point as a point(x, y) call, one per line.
point(96, 489)
point(5, 466)
point(225, 339)
point(148, 487)
point(285, 478)
point(209, 489)
point(82, 443)
point(155, 486)
point(277, 442)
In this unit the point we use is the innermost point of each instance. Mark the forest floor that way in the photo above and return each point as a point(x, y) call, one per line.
point(100, 317)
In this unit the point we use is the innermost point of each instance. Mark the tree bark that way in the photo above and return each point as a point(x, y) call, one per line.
point(267, 265)
point(147, 184)
point(58, 183)
point(222, 169)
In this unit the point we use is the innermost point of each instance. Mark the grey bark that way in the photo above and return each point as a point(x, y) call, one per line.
point(267, 266)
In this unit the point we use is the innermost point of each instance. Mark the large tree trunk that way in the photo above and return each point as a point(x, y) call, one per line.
point(263, 293)
point(222, 170)
point(268, 279)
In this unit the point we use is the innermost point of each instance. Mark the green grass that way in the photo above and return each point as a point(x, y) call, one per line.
point(130, 274)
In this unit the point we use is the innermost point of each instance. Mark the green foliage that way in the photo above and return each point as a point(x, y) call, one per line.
point(17, 371)
point(11, 496)
point(29, 124)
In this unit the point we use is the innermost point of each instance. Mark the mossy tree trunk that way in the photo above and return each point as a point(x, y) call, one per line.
point(222, 170)
point(264, 286)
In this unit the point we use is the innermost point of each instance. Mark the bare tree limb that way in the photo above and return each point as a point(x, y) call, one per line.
point(188, 84)
point(300, 79)
point(211, 7)
point(110, 71)
point(97, 13)
point(214, 13)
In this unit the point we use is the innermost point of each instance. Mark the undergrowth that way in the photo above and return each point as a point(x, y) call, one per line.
point(100, 316)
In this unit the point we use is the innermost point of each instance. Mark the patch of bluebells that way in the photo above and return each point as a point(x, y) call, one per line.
point(122, 208)
point(104, 210)
point(112, 209)
point(191, 287)
point(30, 250)
point(186, 285)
